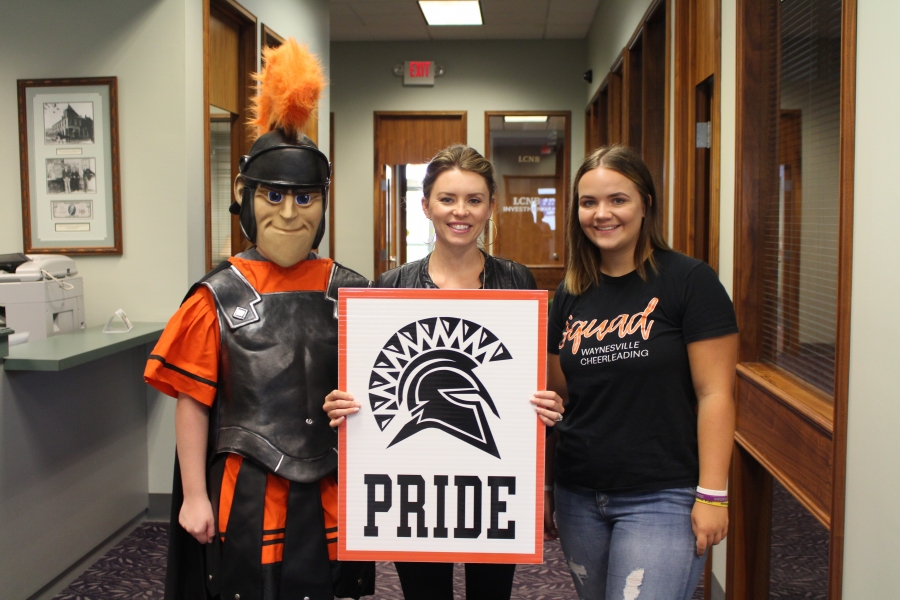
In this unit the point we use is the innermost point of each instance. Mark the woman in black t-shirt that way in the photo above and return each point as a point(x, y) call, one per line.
point(642, 347)
point(459, 190)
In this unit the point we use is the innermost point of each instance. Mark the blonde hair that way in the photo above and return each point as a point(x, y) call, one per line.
point(583, 262)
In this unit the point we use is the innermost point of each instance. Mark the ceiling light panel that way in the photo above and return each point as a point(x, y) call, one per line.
point(451, 12)
point(525, 118)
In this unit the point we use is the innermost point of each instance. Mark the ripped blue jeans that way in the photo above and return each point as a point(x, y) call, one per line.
point(629, 546)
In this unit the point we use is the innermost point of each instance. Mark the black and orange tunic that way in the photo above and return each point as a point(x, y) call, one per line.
point(188, 359)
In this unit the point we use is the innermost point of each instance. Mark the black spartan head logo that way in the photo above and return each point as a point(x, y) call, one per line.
point(430, 366)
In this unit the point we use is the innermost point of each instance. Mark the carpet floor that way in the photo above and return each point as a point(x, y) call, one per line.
point(135, 569)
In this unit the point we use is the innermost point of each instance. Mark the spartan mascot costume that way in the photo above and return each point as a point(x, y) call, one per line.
point(251, 355)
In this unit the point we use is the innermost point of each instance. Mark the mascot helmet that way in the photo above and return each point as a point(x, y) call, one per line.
point(282, 156)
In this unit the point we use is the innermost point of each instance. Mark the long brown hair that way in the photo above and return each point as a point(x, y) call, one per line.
point(463, 158)
point(583, 264)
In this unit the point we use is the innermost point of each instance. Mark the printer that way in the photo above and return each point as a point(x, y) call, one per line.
point(40, 294)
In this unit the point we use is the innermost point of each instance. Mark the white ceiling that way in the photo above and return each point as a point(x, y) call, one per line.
point(401, 20)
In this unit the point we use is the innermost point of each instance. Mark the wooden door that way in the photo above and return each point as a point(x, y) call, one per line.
point(403, 138)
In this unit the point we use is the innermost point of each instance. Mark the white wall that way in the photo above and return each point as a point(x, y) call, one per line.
point(872, 528)
point(155, 48)
point(481, 76)
point(142, 43)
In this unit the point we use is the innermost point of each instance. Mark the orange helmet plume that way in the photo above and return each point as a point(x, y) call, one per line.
point(289, 88)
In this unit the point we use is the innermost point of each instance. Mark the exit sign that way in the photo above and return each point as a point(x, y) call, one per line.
point(418, 72)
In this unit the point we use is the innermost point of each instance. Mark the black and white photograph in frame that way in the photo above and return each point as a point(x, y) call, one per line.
point(68, 122)
point(71, 175)
point(69, 161)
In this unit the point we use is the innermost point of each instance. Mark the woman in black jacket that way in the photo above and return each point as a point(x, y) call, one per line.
point(459, 189)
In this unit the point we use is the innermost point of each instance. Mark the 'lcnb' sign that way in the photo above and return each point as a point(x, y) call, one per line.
point(418, 72)
point(444, 461)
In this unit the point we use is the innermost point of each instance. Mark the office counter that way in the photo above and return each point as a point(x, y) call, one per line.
point(73, 450)
point(70, 350)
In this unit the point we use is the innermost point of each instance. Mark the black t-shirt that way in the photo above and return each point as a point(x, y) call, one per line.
point(630, 423)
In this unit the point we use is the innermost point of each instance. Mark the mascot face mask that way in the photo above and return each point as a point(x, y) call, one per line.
point(282, 190)
point(287, 221)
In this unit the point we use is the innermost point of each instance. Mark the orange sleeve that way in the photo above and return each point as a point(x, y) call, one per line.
point(186, 357)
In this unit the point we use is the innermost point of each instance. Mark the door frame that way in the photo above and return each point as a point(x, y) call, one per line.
point(379, 241)
point(546, 276)
point(248, 50)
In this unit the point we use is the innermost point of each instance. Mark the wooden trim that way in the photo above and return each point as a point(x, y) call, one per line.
point(24, 171)
point(785, 480)
point(430, 113)
point(806, 400)
point(236, 10)
point(207, 168)
point(331, 204)
point(716, 147)
point(749, 528)
point(648, 14)
point(688, 75)
point(845, 263)
point(707, 574)
point(243, 134)
point(787, 442)
point(753, 144)
point(667, 171)
point(619, 63)
point(682, 47)
point(378, 209)
point(632, 84)
point(269, 36)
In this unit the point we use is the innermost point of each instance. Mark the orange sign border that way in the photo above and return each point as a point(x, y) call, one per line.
point(535, 557)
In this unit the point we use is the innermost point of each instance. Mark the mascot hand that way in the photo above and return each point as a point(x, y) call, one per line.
point(196, 517)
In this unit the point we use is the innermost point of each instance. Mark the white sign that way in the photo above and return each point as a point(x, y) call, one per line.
point(445, 459)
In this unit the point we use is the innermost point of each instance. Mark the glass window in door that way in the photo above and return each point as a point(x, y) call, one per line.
point(530, 153)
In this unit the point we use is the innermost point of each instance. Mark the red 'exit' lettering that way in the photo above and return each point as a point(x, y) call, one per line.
point(419, 68)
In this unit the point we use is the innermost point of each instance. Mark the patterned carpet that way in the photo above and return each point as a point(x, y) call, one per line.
point(799, 553)
point(135, 568)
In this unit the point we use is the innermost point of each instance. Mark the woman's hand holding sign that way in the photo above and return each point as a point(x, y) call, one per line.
point(548, 406)
point(338, 405)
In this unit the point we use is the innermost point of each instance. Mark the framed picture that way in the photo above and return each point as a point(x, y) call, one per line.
point(445, 459)
point(69, 157)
